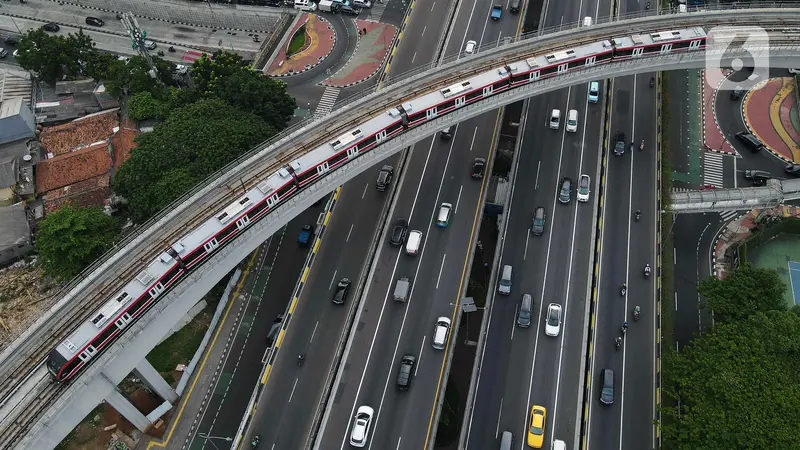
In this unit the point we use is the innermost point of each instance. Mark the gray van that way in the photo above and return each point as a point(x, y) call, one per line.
point(504, 287)
point(525, 309)
point(506, 440)
point(514, 6)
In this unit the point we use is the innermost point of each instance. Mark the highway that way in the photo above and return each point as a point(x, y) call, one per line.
point(112, 36)
point(522, 367)
point(437, 171)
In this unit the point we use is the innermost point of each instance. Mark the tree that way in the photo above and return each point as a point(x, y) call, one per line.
point(206, 72)
point(254, 92)
point(744, 292)
point(72, 238)
point(52, 57)
point(191, 144)
point(142, 105)
point(738, 386)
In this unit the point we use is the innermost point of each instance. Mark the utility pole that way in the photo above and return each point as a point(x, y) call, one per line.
point(138, 35)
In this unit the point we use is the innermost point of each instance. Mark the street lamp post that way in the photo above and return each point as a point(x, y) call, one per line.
point(208, 438)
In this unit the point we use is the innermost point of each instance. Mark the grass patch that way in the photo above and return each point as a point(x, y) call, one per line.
point(297, 42)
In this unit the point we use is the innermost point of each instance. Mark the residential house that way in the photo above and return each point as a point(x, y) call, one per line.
point(16, 120)
point(15, 233)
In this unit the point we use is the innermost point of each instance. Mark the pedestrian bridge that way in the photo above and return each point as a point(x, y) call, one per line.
point(773, 194)
point(79, 299)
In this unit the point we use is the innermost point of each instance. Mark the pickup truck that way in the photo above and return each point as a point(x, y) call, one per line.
point(305, 235)
point(497, 11)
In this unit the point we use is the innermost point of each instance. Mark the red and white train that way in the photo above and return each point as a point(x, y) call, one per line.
point(138, 295)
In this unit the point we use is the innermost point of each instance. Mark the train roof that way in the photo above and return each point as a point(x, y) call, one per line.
point(637, 40)
point(434, 98)
point(560, 56)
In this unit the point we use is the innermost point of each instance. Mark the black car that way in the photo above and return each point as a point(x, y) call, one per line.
point(406, 372)
point(349, 10)
point(478, 167)
point(341, 291)
point(607, 387)
point(565, 192)
point(274, 331)
point(619, 143)
point(384, 178)
point(750, 141)
point(757, 177)
point(51, 27)
point(399, 232)
point(793, 169)
point(12, 40)
point(94, 21)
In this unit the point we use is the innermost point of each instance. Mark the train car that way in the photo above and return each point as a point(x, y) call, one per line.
point(138, 295)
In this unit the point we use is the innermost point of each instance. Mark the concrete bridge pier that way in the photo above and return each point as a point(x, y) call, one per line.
point(123, 406)
point(155, 381)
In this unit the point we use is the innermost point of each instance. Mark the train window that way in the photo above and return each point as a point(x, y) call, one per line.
point(271, 201)
point(337, 159)
point(137, 305)
point(243, 222)
point(447, 105)
point(500, 84)
point(535, 75)
point(172, 274)
point(192, 257)
point(156, 290)
point(431, 113)
point(380, 136)
point(211, 245)
point(352, 152)
point(368, 142)
point(322, 168)
point(258, 209)
point(225, 233)
point(107, 334)
point(473, 95)
point(394, 127)
point(122, 321)
point(303, 177)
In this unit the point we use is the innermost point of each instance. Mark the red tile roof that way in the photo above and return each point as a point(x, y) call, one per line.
point(71, 168)
point(123, 144)
point(94, 197)
point(87, 130)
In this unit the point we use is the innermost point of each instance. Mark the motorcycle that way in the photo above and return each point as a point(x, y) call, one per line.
point(652, 81)
point(171, 49)
point(636, 312)
point(647, 271)
point(255, 440)
point(618, 342)
point(624, 328)
point(647, 5)
point(638, 215)
point(641, 146)
point(623, 289)
point(300, 359)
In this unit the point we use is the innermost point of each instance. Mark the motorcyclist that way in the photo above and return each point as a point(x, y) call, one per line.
point(652, 81)
point(618, 341)
point(300, 358)
point(255, 440)
point(624, 327)
point(638, 214)
point(636, 311)
point(623, 288)
point(647, 270)
point(641, 145)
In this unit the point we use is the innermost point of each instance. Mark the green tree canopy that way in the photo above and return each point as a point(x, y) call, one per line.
point(206, 72)
point(134, 75)
point(56, 57)
point(263, 96)
point(71, 238)
point(739, 386)
point(744, 292)
point(195, 141)
point(142, 105)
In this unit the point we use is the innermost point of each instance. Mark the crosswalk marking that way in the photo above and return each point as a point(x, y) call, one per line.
point(713, 169)
point(327, 101)
point(376, 12)
point(728, 215)
point(682, 189)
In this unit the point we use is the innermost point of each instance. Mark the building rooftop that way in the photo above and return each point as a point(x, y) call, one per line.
point(123, 143)
point(8, 171)
point(87, 130)
point(71, 168)
point(14, 228)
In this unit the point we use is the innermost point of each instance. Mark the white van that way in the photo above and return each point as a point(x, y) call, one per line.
point(594, 92)
point(305, 5)
point(559, 445)
point(506, 440)
point(572, 121)
point(587, 21)
point(413, 243)
point(505, 281)
point(555, 119)
point(363, 3)
point(440, 332)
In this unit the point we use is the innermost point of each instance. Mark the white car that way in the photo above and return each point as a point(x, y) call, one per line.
point(181, 69)
point(794, 71)
point(553, 325)
point(471, 47)
point(360, 433)
point(583, 188)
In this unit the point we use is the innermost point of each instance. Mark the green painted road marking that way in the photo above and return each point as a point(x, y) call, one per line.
point(224, 381)
point(302, 112)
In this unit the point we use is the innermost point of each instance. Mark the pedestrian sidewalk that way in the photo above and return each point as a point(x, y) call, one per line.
point(713, 139)
point(771, 113)
point(320, 40)
point(739, 230)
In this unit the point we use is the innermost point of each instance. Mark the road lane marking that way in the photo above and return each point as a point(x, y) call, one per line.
point(314, 332)
point(676, 301)
point(458, 200)
point(472, 143)
point(538, 168)
point(398, 442)
point(444, 258)
point(294, 386)
point(333, 278)
point(458, 299)
point(413, 57)
point(383, 309)
point(425, 28)
point(363, 194)
point(527, 238)
point(419, 358)
point(348, 233)
point(433, 6)
point(499, 413)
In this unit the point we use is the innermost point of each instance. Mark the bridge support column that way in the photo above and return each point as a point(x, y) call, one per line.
point(128, 410)
point(152, 378)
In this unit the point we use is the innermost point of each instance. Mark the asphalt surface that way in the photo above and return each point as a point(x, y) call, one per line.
point(437, 171)
point(521, 367)
point(268, 289)
point(111, 36)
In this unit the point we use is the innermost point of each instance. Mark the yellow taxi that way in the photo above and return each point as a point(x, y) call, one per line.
point(536, 431)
